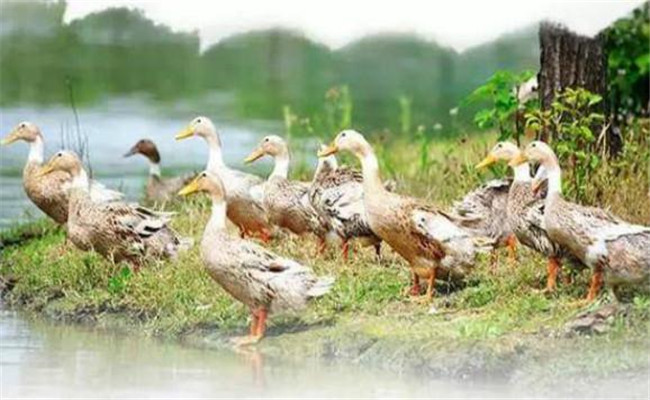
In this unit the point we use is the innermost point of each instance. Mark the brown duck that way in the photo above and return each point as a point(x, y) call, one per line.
point(116, 230)
point(158, 189)
point(49, 193)
point(425, 236)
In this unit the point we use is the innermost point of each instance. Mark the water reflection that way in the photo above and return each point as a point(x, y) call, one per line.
point(39, 359)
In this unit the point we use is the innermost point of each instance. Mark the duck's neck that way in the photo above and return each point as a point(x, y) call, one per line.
point(215, 158)
point(154, 169)
point(370, 169)
point(80, 181)
point(281, 167)
point(554, 175)
point(217, 221)
point(36, 150)
point(522, 172)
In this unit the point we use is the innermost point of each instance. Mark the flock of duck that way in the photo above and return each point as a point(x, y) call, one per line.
point(339, 203)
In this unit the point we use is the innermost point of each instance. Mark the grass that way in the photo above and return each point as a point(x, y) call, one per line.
point(497, 308)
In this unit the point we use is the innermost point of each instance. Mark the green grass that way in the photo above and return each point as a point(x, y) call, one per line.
point(497, 308)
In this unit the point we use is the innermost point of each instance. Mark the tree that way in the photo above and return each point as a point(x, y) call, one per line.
point(569, 60)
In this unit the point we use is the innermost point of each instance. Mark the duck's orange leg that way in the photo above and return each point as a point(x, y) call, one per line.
point(415, 285)
point(254, 324)
point(345, 248)
point(511, 243)
point(596, 283)
point(257, 328)
point(552, 269)
point(265, 235)
point(262, 315)
point(431, 282)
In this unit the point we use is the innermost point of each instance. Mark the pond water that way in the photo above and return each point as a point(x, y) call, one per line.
point(111, 129)
point(39, 359)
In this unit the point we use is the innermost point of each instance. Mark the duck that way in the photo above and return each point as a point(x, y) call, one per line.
point(525, 211)
point(118, 231)
point(260, 279)
point(286, 202)
point(618, 252)
point(49, 193)
point(337, 195)
point(158, 189)
point(245, 209)
point(483, 210)
point(393, 217)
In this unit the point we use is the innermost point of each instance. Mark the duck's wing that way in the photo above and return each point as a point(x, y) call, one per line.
point(459, 245)
point(601, 224)
point(291, 283)
point(479, 205)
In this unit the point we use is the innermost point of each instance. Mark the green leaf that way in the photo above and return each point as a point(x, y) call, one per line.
point(594, 99)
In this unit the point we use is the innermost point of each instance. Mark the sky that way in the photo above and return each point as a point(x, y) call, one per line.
point(460, 24)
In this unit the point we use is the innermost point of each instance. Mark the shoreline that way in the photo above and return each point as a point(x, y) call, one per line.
point(498, 328)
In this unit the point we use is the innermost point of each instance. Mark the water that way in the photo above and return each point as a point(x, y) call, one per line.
point(112, 128)
point(40, 359)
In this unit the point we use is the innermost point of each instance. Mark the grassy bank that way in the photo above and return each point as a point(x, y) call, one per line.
point(490, 326)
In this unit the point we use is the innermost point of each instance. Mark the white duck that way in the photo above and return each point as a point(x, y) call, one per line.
point(244, 210)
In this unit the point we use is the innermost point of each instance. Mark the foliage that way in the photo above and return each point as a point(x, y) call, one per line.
point(628, 62)
point(117, 283)
point(499, 95)
point(334, 115)
point(120, 51)
point(573, 122)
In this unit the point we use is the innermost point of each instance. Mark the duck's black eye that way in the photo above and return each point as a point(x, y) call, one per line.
point(22, 125)
point(59, 154)
point(343, 134)
point(198, 121)
point(499, 145)
point(266, 139)
point(534, 145)
point(203, 175)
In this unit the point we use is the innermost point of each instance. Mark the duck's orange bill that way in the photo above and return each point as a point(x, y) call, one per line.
point(520, 159)
point(329, 150)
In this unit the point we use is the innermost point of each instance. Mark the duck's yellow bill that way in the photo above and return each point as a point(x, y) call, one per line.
point(9, 139)
point(185, 133)
point(45, 170)
point(489, 160)
point(329, 150)
point(190, 188)
point(520, 159)
point(257, 153)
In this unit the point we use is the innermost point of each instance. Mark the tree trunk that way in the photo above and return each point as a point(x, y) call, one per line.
point(569, 60)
